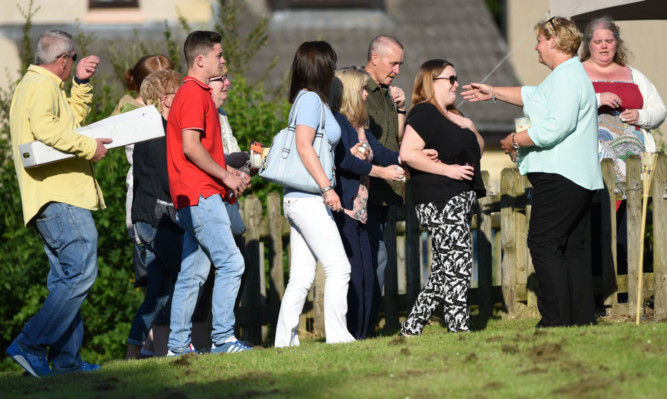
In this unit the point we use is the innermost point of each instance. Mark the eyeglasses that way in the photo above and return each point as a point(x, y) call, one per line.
point(551, 21)
point(73, 57)
point(222, 79)
point(452, 79)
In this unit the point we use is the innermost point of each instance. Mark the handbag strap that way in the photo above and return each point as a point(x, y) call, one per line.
point(320, 133)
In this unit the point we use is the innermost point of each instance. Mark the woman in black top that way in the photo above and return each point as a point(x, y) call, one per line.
point(444, 192)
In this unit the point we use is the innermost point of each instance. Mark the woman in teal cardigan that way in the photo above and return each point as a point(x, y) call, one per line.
point(558, 153)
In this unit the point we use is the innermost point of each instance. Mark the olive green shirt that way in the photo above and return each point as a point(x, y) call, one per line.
point(383, 123)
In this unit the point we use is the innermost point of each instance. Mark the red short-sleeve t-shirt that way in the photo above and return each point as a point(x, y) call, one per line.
point(193, 109)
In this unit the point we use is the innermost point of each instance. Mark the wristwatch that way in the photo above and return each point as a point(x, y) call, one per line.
point(514, 143)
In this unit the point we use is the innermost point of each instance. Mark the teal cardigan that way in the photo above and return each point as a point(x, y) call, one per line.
point(564, 124)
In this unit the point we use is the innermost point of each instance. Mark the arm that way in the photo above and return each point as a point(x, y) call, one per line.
point(196, 153)
point(382, 154)
point(482, 92)
point(653, 113)
point(466, 123)
point(412, 154)
point(348, 140)
point(398, 96)
point(82, 94)
point(304, 146)
point(47, 127)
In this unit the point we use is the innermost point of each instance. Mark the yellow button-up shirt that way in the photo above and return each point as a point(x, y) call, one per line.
point(40, 110)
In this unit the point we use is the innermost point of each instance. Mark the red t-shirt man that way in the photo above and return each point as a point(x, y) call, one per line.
point(193, 109)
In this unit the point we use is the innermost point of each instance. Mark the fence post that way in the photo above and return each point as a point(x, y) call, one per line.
point(609, 262)
point(254, 291)
point(276, 267)
point(633, 192)
point(484, 252)
point(659, 189)
point(508, 182)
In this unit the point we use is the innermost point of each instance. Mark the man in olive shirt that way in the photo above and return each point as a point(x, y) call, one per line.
point(386, 111)
point(57, 199)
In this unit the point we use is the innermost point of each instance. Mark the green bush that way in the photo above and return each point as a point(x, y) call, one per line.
point(110, 307)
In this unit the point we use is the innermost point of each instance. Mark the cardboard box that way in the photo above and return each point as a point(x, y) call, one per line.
point(131, 127)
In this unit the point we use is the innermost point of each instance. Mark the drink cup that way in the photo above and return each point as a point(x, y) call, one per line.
point(521, 124)
point(363, 148)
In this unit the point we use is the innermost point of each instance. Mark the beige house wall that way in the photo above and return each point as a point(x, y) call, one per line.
point(69, 11)
point(641, 38)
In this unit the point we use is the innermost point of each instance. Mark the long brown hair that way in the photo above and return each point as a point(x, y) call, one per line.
point(313, 68)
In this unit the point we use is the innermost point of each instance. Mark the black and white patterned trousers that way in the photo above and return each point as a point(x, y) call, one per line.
point(451, 266)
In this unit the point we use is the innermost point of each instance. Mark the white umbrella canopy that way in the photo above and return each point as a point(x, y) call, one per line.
point(585, 10)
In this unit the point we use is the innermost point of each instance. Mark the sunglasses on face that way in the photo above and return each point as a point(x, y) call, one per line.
point(452, 79)
point(73, 57)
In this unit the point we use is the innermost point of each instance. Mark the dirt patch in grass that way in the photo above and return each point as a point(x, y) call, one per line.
point(471, 358)
point(589, 387)
point(533, 370)
point(548, 351)
point(494, 385)
point(494, 338)
point(511, 349)
point(400, 340)
point(183, 360)
point(405, 351)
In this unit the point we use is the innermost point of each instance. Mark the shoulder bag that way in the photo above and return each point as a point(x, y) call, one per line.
point(283, 164)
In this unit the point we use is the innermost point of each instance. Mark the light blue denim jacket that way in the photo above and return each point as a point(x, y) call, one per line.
point(563, 114)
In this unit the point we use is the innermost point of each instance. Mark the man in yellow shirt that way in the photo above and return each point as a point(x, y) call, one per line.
point(57, 199)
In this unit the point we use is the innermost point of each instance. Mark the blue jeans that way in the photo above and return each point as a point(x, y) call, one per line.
point(70, 243)
point(208, 240)
point(163, 248)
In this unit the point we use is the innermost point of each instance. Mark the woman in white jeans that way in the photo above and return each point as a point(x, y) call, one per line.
point(314, 235)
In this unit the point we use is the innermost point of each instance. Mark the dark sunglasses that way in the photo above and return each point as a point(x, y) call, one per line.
point(551, 21)
point(452, 79)
point(73, 57)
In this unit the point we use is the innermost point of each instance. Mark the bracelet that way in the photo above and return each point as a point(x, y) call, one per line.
point(402, 112)
point(493, 94)
point(514, 143)
point(325, 189)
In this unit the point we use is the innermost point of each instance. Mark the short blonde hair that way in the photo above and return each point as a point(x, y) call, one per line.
point(568, 36)
point(346, 94)
point(158, 84)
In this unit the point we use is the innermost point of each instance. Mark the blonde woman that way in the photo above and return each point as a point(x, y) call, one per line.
point(559, 155)
point(353, 168)
point(151, 209)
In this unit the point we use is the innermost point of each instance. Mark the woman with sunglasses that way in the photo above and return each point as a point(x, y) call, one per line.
point(559, 154)
point(444, 192)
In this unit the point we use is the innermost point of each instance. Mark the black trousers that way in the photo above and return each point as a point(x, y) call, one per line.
point(559, 243)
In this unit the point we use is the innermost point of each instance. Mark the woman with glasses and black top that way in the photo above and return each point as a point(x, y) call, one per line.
point(559, 154)
point(444, 192)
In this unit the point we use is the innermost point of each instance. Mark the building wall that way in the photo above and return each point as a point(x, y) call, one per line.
point(67, 12)
point(639, 36)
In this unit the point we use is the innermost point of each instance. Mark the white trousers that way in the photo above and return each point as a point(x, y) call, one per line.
point(314, 236)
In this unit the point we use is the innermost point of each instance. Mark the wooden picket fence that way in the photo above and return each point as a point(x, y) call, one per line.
point(504, 275)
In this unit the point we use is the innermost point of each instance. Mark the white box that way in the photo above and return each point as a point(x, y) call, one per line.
point(131, 127)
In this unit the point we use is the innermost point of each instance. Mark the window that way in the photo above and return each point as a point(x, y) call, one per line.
point(113, 3)
point(294, 4)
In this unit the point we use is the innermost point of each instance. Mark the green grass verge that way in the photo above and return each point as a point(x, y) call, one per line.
point(508, 359)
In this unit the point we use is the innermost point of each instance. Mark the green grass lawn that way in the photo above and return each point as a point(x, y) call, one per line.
point(508, 359)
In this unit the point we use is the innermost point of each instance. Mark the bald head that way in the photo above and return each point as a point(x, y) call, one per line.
point(385, 56)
